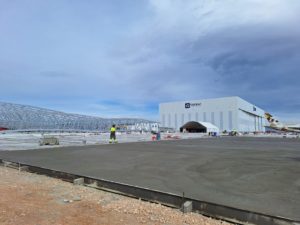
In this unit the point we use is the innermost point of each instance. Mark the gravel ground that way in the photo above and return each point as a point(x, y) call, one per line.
point(22, 141)
point(33, 199)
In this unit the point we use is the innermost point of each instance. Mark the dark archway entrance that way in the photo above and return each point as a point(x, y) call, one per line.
point(193, 127)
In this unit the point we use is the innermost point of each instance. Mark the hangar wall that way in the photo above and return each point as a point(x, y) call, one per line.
point(229, 113)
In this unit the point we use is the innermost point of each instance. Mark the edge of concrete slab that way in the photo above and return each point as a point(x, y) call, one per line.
point(227, 213)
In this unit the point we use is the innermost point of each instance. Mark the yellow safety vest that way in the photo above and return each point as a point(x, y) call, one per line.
point(113, 129)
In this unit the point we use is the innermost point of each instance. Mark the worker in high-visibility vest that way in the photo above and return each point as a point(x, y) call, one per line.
point(113, 134)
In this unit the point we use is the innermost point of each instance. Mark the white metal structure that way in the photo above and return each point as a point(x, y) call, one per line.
point(229, 113)
point(150, 126)
point(210, 127)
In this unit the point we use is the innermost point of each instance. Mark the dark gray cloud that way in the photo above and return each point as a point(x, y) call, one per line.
point(77, 56)
point(262, 68)
point(258, 59)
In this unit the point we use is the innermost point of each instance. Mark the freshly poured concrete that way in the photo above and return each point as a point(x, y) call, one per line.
point(256, 174)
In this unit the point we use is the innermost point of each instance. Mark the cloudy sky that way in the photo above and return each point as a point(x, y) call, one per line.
point(114, 58)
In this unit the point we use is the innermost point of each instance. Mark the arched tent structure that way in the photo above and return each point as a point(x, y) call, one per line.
point(193, 127)
point(199, 127)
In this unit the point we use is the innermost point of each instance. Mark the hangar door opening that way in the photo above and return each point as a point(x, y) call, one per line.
point(193, 127)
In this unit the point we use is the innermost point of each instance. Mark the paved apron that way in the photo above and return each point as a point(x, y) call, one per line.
point(256, 174)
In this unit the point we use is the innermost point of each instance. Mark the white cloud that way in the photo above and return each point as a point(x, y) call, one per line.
point(199, 17)
point(176, 51)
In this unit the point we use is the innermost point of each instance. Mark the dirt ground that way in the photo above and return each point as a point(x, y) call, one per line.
point(32, 199)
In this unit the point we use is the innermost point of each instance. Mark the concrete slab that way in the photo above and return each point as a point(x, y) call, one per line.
point(256, 174)
point(78, 181)
point(187, 207)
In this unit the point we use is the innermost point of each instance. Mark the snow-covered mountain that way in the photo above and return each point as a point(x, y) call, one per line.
point(15, 116)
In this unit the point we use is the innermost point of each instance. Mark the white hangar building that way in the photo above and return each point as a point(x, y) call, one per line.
point(229, 113)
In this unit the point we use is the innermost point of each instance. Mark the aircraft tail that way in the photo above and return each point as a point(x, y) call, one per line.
point(270, 118)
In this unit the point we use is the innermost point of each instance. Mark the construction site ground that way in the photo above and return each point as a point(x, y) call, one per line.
point(13, 140)
point(32, 199)
point(255, 174)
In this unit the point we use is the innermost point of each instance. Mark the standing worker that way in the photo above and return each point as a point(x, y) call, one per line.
point(113, 134)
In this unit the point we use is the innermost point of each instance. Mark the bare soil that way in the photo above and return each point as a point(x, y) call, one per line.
point(32, 199)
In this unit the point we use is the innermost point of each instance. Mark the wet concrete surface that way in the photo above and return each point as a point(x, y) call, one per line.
point(256, 174)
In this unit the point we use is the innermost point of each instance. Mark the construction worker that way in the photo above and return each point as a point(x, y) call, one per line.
point(113, 134)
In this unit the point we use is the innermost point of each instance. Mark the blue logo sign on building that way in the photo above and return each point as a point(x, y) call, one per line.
point(187, 105)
